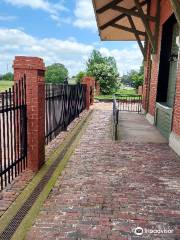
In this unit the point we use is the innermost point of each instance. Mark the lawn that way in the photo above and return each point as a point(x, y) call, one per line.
point(5, 85)
point(120, 92)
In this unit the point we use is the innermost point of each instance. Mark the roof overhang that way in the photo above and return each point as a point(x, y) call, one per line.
point(127, 20)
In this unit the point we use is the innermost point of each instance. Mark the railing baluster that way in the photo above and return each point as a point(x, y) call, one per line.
point(7, 136)
point(4, 140)
point(63, 104)
point(1, 153)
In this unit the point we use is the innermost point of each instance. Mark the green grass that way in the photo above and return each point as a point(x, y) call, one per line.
point(121, 92)
point(5, 85)
point(127, 91)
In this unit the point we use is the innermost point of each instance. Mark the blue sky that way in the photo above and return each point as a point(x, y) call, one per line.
point(58, 31)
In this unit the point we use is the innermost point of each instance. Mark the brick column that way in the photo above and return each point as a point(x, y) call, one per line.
point(98, 90)
point(34, 69)
point(174, 140)
point(90, 82)
point(93, 88)
point(176, 116)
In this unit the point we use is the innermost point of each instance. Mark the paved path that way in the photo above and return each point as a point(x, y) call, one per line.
point(134, 127)
point(108, 189)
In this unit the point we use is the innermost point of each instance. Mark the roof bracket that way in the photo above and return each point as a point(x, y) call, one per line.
point(136, 35)
point(152, 36)
point(176, 7)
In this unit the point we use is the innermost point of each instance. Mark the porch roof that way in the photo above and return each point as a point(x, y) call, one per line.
point(119, 20)
point(129, 20)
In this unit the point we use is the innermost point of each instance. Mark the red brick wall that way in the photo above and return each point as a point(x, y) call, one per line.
point(176, 117)
point(147, 76)
point(90, 82)
point(34, 69)
point(166, 11)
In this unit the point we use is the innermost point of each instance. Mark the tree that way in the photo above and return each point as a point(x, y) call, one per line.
point(137, 80)
point(134, 78)
point(56, 73)
point(8, 76)
point(107, 78)
point(80, 76)
point(104, 70)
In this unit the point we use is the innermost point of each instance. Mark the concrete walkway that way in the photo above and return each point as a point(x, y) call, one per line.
point(134, 127)
point(109, 189)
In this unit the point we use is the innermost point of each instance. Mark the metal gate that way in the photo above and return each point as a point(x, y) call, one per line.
point(129, 103)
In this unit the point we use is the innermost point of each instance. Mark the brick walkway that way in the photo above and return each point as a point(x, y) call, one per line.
point(108, 189)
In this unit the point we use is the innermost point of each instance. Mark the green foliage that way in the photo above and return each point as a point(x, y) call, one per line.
point(5, 85)
point(137, 80)
point(8, 76)
point(80, 76)
point(119, 92)
point(104, 70)
point(134, 78)
point(56, 73)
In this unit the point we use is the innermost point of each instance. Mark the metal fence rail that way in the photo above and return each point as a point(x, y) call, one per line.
point(63, 104)
point(13, 133)
point(115, 119)
point(129, 103)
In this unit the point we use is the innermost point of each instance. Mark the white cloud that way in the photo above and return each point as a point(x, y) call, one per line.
point(38, 4)
point(16, 42)
point(127, 59)
point(70, 52)
point(59, 20)
point(5, 18)
point(51, 8)
point(84, 14)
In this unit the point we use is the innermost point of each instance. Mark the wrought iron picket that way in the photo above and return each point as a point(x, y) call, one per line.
point(13, 132)
point(63, 104)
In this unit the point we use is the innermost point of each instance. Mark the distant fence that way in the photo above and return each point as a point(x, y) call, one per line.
point(63, 103)
point(129, 103)
point(115, 119)
point(33, 113)
point(13, 132)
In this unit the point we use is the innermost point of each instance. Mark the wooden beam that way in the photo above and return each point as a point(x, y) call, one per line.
point(146, 24)
point(121, 27)
point(132, 13)
point(108, 6)
point(137, 35)
point(176, 7)
point(121, 16)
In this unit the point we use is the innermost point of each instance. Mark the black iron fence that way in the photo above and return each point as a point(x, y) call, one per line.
point(63, 104)
point(115, 119)
point(13, 133)
point(129, 103)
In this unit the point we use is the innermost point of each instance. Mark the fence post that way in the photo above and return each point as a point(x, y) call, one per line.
point(90, 83)
point(34, 69)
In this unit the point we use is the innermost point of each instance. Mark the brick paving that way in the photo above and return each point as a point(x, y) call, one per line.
point(108, 189)
point(13, 190)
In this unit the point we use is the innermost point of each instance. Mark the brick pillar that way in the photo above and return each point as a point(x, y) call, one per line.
point(90, 82)
point(176, 115)
point(93, 88)
point(34, 69)
point(147, 78)
point(98, 90)
point(174, 140)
